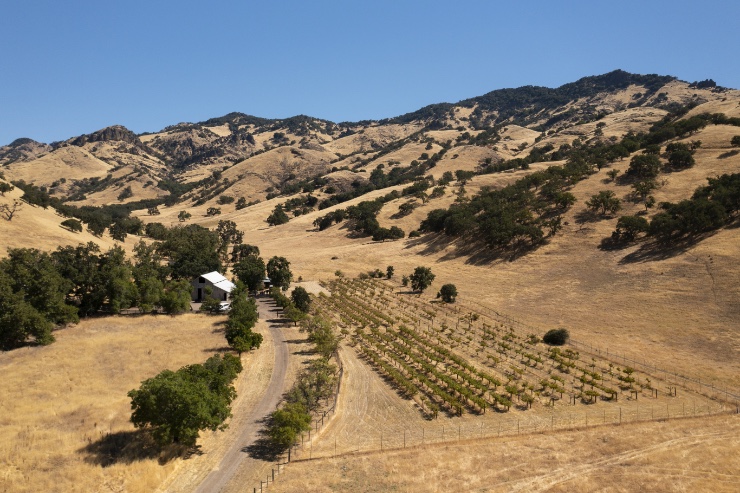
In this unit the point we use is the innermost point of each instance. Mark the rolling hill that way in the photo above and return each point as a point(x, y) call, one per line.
point(674, 305)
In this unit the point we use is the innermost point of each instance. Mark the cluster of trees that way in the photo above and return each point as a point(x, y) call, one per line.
point(313, 385)
point(32, 298)
point(363, 219)
point(380, 179)
point(175, 406)
point(296, 307)
point(42, 290)
point(711, 207)
point(529, 209)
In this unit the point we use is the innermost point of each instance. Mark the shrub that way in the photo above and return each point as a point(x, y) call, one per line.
point(225, 199)
point(448, 293)
point(556, 337)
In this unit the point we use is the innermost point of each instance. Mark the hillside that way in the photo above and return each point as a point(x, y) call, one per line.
point(672, 304)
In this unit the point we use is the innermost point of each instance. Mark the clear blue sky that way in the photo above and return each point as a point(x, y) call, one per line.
point(68, 68)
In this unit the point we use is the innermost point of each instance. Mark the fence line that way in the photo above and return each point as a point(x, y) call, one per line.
point(317, 425)
point(709, 390)
point(394, 438)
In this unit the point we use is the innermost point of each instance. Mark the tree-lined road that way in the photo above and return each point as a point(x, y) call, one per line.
point(237, 457)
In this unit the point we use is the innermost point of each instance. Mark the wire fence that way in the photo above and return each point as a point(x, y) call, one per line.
point(318, 423)
point(707, 389)
point(400, 437)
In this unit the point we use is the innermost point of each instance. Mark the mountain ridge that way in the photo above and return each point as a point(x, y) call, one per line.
point(583, 87)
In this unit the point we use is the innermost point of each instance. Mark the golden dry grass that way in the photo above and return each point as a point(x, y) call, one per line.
point(35, 227)
point(60, 399)
point(71, 162)
point(681, 455)
point(679, 311)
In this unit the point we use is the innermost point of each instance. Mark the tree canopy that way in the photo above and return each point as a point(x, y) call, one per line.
point(192, 249)
point(176, 406)
point(278, 270)
point(421, 279)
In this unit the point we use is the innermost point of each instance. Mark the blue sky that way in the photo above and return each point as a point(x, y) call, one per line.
point(73, 67)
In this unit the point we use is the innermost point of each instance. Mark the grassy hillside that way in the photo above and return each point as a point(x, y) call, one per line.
point(675, 306)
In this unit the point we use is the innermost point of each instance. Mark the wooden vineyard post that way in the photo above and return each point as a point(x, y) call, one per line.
point(458, 431)
point(620, 415)
point(422, 435)
point(335, 446)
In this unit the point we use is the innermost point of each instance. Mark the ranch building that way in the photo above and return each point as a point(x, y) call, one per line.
point(221, 287)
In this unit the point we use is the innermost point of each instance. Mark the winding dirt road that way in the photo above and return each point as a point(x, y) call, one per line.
point(236, 458)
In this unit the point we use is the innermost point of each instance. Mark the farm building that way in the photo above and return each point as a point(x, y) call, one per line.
point(220, 286)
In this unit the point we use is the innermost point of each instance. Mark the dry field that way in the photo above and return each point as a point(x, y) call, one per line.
point(678, 455)
point(65, 407)
point(35, 227)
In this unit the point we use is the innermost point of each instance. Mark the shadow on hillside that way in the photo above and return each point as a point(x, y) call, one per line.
point(126, 447)
point(654, 251)
point(477, 252)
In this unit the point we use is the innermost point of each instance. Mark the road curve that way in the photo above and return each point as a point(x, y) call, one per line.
point(236, 457)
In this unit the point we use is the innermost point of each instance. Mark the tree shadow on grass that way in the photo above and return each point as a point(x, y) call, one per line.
point(127, 447)
point(653, 251)
point(477, 252)
point(219, 350)
point(263, 448)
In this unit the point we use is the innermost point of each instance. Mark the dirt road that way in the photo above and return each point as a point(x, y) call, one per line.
point(236, 457)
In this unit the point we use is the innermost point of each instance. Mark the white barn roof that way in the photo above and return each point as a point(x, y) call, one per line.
point(219, 281)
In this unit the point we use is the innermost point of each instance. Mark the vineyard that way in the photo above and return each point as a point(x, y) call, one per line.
point(455, 361)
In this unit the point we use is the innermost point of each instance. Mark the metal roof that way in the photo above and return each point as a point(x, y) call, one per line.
point(219, 281)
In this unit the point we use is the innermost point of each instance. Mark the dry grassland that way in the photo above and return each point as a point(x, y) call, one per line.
point(35, 227)
point(72, 163)
point(679, 310)
point(681, 455)
point(61, 402)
